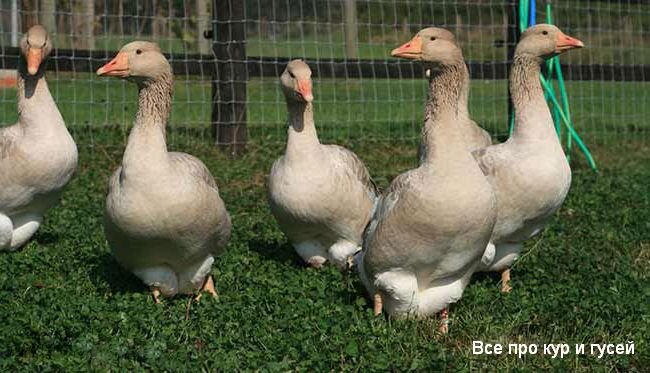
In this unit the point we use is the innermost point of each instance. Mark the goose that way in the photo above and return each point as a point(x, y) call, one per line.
point(477, 137)
point(433, 222)
point(164, 218)
point(529, 172)
point(37, 155)
point(322, 196)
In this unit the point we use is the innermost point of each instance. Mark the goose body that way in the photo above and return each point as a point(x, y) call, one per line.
point(529, 172)
point(37, 154)
point(321, 195)
point(432, 224)
point(165, 220)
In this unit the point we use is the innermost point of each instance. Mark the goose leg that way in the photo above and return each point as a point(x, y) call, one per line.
point(162, 281)
point(443, 328)
point(6, 232)
point(311, 252)
point(24, 228)
point(208, 287)
point(342, 251)
point(155, 294)
point(349, 263)
point(505, 281)
point(378, 304)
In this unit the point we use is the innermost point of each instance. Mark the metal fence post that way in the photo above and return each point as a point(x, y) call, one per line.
point(229, 88)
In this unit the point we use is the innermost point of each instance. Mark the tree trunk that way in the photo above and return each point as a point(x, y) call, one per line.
point(120, 17)
point(83, 17)
point(158, 23)
point(202, 24)
point(229, 86)
point(46, 16)
point(29, 11)
point(459, 26)
point(170, 18)
point(89, 24)
point(351, 37)
point(141, 20)
point(406, 29)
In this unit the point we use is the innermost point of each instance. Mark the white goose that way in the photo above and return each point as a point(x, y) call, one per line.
point(529, 172)
point(165, 220)
point(477, 137)
point(37, 155)
point(432, 224)
point(321, 195)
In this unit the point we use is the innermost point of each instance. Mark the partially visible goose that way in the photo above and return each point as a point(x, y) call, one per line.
point(432, 224)
point(529, 172)
point(165, 220)
point(477, 137)
point(321, 195)
point(37, 155)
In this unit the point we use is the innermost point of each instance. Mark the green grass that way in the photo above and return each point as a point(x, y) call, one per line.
point(67, 305)
point(351, 110)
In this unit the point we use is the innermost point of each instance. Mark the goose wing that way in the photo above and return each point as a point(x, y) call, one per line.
point(8, 136)
point(356, 166)
point(194, 167)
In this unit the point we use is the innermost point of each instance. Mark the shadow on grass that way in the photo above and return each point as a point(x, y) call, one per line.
point(491, 278)
point(107, 273)
point(353, 289)
point(280, 252)
point(46, 237)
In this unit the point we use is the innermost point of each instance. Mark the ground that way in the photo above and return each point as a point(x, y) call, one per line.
point(66, 304)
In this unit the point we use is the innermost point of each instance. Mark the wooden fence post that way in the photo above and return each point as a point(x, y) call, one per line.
point(512, 38)
point(47, 15)
point(350, 29)
point(229, 86)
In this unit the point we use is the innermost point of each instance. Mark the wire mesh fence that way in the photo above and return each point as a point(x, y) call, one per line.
point(608, 85)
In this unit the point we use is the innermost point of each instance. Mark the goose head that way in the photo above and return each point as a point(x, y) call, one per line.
point(296, 82)
point(544, 41)
point(432, 45)
point(139, 61)
point(35, 47)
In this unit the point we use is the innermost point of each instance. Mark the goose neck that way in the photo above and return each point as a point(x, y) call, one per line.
point(154, 101)
point(532, 116)
point(302, 138)
point(147, 141)
point(35, 103)
point(447, 93)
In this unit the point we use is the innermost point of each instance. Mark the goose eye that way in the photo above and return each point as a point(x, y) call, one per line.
point(139, 51)
point(432, 38)
point(544, 32)
point(291, 75)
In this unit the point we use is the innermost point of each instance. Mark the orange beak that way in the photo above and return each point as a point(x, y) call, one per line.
point(411, 50)
point(34, 59)
point(304, 89)
point(119, 66)
point(565, 42)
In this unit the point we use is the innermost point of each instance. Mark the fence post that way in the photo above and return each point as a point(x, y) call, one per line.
point(202, 24)
point(15, 29)
point(351, 29)
point(512, 38)
point(47, 15)
point(229, 87)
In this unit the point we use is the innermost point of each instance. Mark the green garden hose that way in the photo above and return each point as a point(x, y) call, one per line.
point(560, 110)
